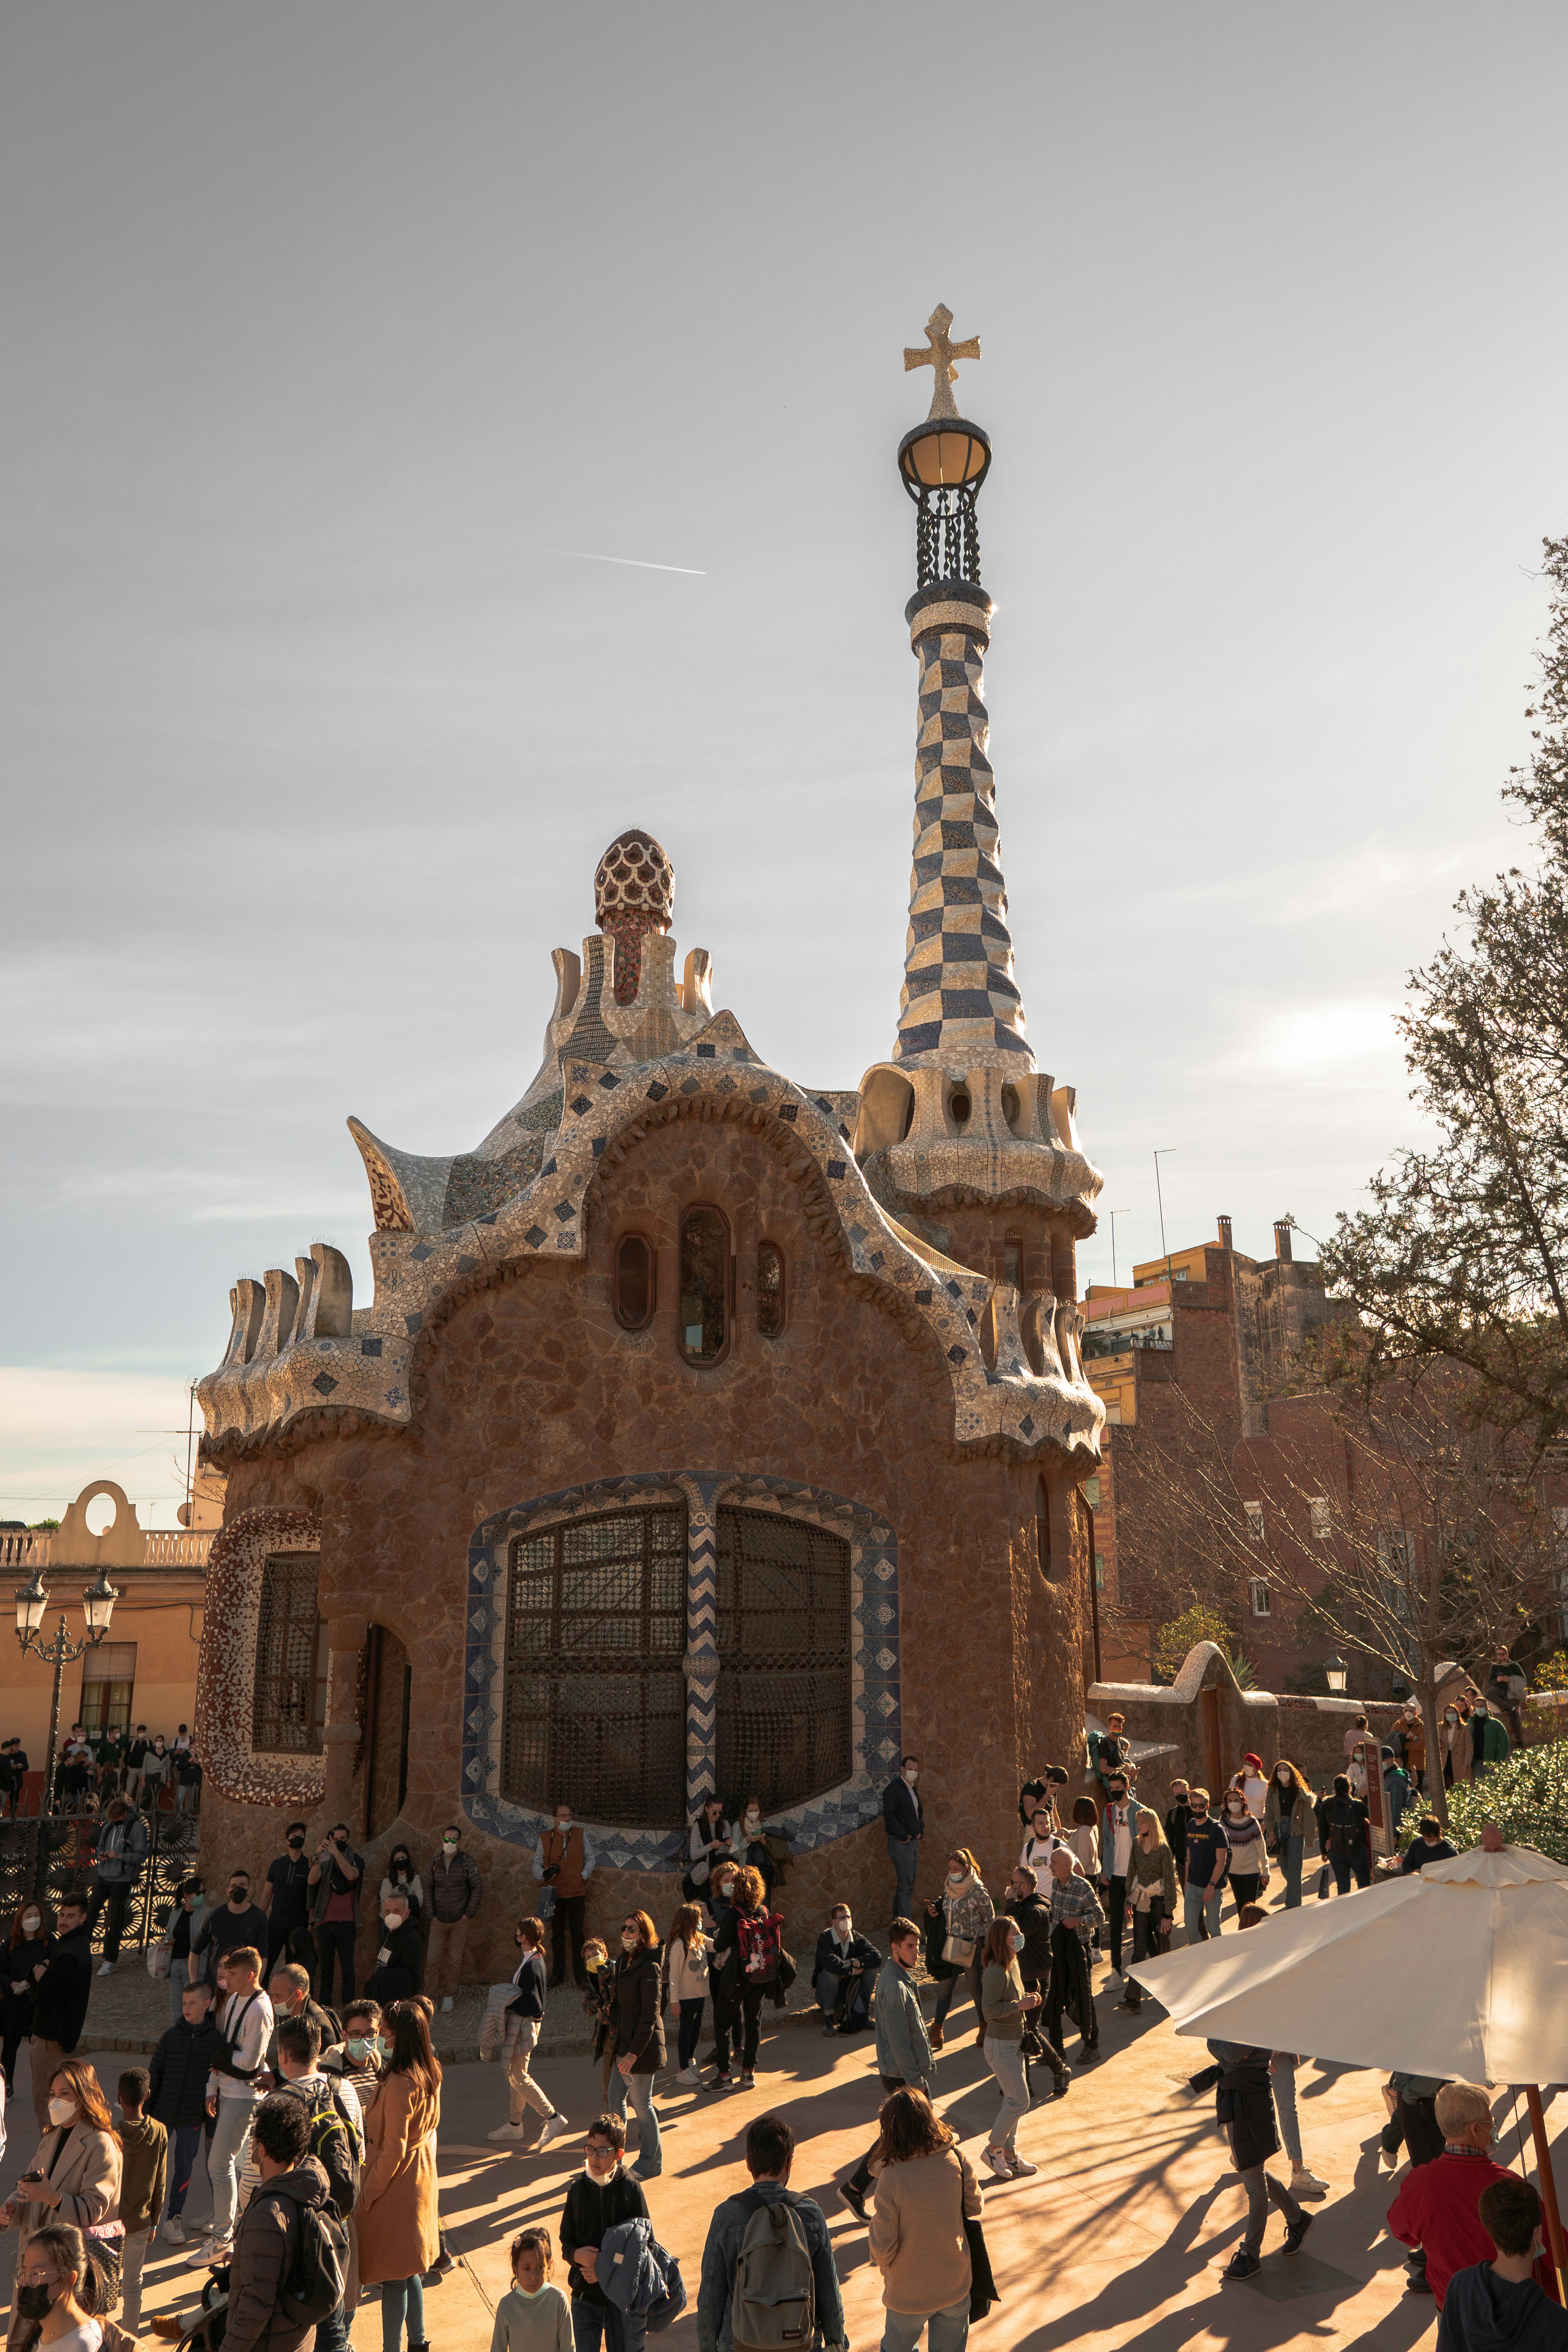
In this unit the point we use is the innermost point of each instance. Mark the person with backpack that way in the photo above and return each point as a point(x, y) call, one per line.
point(289, 2263)
point(122, 1852)
point(768, 2274)
point(337, 2143)
point(399, 2235)
point(843, 1973)
point(756, 1935)
point(637, 2036)
point(1342, 1834)
point(926, 2190)
point(600, 2196)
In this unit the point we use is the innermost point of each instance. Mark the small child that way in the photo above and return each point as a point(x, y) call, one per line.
point(143, 2179)
point(533, 2316)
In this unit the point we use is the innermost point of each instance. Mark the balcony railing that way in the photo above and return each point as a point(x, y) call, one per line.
point(166, 1548)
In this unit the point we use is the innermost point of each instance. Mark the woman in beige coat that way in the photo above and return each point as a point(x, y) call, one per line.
point(399, 2237)
point(75, 2175)
point(924, 2189)
point(1458, 1742)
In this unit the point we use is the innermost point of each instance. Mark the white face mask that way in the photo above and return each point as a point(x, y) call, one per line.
point(911, 1773)
point(563, 1821)
point(31, 1924)
point(391, 1919)
point(62, 2112)
point(629, 1941)
point(841, 1930)
point(955, 1878)
point(752, 1814)
point(1015, 1941)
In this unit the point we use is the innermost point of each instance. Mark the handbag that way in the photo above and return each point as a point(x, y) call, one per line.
point(982, 2282)
point(958, 1951)
point(159, 1960)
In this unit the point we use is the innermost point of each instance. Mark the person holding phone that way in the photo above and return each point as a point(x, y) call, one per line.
point(336, 1877)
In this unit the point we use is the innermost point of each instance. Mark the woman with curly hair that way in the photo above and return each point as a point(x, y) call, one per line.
point(755, 1936)
point(1286, 1811)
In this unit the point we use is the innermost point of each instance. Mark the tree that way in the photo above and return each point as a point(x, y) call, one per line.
point(1463, 1257)
point(1196, 1623)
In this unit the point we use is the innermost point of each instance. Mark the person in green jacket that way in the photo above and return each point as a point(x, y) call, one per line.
point(1490, 1740)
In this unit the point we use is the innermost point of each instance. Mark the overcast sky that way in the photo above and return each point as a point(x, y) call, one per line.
point(339, 340)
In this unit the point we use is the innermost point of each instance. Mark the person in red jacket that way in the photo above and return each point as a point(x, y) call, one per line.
point(1437, 2208)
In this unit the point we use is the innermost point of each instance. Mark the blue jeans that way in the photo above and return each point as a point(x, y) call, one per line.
point(187, 2146)
point(1289, 1857)
point(594, 2324)
point(638, 2089)
point(901, 2330)
point(1198, 1904)
point(400, 2299)
point(904, 1853)
point(1005, 2060)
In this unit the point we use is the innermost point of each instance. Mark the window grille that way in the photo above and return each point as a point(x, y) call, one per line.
point(595, 1683)
point(1260, 1603)
point(291, 1702)
point(705, 1278)
point(1253, 1520)
point(107, 1688)
point(784, 1640)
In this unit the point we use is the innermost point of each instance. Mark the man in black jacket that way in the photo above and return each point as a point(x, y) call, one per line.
point(1342, 1835)
point(1244, 2108)
point(903, 1818)
point(59, 2005)
point(178, 2097)
point(336, 2141)
point(602, 2194)
point(400, 1956)
point(843, 1973)
point(1029, 1907)
point(289, 1990)
point(238, 1922)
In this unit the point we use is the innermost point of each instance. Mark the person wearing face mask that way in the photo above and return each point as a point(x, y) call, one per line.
point(710, 1842)
point(76, 2173)
point(336, 1879)
point(1456, 1743)
point(962, 1911)
point(755, 1852)
point(455, 1891)
point(1437, 2206)
point(903, 1819)
point(564, 1862)
point(122, 1852)
point(59, 2294)
point(1286, 1814)
point(356, 2059)
point(724, 1972)
point(289, 1990)
point(237, 1924)
point(533, 2316)
point(524, 2021)
point(843, 1973)
point(177, 2096)
point(636, 2026)
point(402, 1878)
point(1007, 2007)
point(1151, 1885)
point(399, 1956)
point(64, 1982)
point(190, 1910)
point(31, 1940)
point(1342, 1835)
point(1489, 1740)
point(1119, 1832)
point(286, 1894)
point(1208, 1858)
point(1075, 1915)
point(1249, 1871)
point(156, 1766)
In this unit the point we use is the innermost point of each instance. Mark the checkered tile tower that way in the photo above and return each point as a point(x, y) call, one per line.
point(960, 1006)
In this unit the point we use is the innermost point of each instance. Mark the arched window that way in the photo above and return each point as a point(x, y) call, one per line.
point(596, 1691)
point(785, 1704)
point(289, 1698)
point(770, 1289)
point(637, 1281)
point(704, 1313)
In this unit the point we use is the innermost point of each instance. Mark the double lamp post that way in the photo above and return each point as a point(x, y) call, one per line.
point(98, 1601)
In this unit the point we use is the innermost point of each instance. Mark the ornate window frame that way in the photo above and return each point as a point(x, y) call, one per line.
point(225, 1675)
point(877, 1736)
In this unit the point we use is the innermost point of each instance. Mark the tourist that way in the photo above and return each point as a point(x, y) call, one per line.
point(289, 1990)
point(1498, 2306)
point(135, 1762)
point(400, 1957)
point(805, 2256)
point(1507, 1691)
point(122, 1852)
point(1208, 1858)
point(233, 2091)
point(597, 2001)
point(1249, 1869)
point(190, 1911)
point(1153, 1880)
point(337, 1876)
point(455, 1889)
point(1083, 1839)
point(1004, 2006)
point(756, 1935)
point(1075, 1915)
point(1343, 1832)
point(1254, 1786)
point(636, 2034)
point(687, 1953)
point(1118, 1828)
point(402, 1878)
point(1282, 2066)
point(904, 1819)
point(396, 2218)
point(842, 1974)
point(524, 2023)
point(76, 2169)
point(28, 1948)
point(533, 2316)
point(1437, 2206)
point(64, 1983)
point(177, 2095)
point(563, 1861)
point(356, 2060)
point(143, 2179)
point(966, 1912)
point(1285, 1816)
point(1489, 1740)
point(1427, 1846)
point(754, 1850)
point(1031, 1797)
point(1042, 1838)
point(156, 1766)
point(188, 1782)
point(1456, 1743)
point(711, 1840)
point(286, 1894)
point(600, 2196)
point(1356, 1736)
point(337, 2143)
point(262, 2260)
point(75, 1770)
point(926, 2188)
point(903, 2048)
point(1412, 2104)
point(59, 2290)
point(1412, 1748)
point(1109, 1751)
point(1244, 2107)
point(236, 1925)
point(1031, 1912)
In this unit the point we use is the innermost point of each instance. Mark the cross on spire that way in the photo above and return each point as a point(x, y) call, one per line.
point(940, 358)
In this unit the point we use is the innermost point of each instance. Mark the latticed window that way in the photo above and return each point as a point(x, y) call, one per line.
point(783, 1639)
point(290, 1703)
point(596, 1686)
point(705, 1285)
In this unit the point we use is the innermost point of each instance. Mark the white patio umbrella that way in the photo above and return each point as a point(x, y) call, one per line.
point(1460, 1970)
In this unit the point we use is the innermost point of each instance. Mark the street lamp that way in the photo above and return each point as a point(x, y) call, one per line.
point(98, 1601)
point(1335, 1670)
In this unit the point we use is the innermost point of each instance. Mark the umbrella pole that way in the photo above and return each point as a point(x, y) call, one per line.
point(1548, 2185)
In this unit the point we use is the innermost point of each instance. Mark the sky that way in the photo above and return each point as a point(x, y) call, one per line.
point(435, 439)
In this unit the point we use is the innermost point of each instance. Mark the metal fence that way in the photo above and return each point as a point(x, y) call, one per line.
point(65, 1845)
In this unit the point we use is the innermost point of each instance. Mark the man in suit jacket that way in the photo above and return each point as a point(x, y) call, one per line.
point(903, 1818)
point(60, 2004)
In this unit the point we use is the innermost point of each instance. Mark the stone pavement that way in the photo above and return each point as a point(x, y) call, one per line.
point(1118, 2242)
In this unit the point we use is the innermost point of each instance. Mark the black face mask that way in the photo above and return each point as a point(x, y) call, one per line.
point(35, 2302)
point(239, 1894)
point(296, 1845)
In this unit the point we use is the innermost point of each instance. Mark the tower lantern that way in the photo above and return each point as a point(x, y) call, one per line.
point(943, 464)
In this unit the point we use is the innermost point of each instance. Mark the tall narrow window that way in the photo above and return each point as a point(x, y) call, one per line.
point(784, 1635)
point(770, 1289)
point(596, 1691)
point(108, 1686)
point(291, 1691)
point(704, 1327)
point(1013, 1261)
point(636, 1281)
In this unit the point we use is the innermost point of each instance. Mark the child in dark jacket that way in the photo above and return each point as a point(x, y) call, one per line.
point(177, 2095)
point(601, 2195)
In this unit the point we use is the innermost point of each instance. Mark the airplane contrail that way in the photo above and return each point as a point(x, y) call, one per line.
point(637, 562)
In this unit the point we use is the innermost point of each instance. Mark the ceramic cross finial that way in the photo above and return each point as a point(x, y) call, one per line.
point(940, 358)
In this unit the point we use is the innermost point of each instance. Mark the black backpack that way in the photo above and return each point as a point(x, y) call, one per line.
point(315, 2261)
point(334, 2146)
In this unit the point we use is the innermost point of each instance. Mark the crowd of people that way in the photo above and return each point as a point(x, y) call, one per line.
point(98, 1763)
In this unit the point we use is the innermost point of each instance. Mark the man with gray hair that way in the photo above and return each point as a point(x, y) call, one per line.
point(1437, 2207)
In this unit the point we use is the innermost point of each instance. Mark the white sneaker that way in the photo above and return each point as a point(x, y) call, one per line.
point(174, 2230)
point(107, 1969)
point(1306, 2184)
point(447, 2001)
point(213, 2250)
point(555, 2127)
point(509, 2131)
point(690, 2076)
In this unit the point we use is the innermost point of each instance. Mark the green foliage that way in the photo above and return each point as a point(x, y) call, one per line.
point(1527, 1797)
point(1240, 1666)
point(1309, 1681)
point(42, 1527)
point(1197, 1623)
point(1551, 1673)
